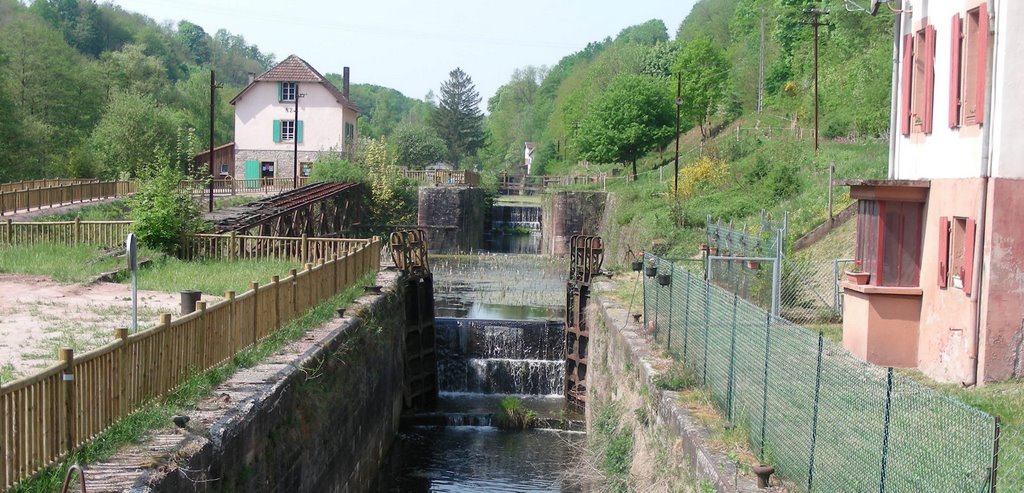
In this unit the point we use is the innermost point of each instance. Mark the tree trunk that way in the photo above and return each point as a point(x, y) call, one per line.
point(634, 169)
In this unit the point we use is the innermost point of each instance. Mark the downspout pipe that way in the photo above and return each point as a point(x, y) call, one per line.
point(986, 173)
point(894, 96)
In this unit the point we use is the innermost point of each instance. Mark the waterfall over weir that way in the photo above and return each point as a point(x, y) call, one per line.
point(500, 356)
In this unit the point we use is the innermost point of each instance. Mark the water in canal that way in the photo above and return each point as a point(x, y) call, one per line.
point(499, 333)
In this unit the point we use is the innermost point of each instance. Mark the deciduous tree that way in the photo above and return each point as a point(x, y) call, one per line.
point(632, 117)
point(705, 78)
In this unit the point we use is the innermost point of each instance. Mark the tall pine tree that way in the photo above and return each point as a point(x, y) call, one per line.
point(458, 119)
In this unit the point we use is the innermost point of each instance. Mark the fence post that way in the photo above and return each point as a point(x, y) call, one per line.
point(2, 203)
point(885, 429)
point(334, 271)
point(764, 384)
point(255, 287)
point(998, 434)
point(657, 302)
point(67, 357)
point(204, 338)
point(229, 296)
point(686, 319)
point(814, 416)
point(231, 245)
point(76, 234)
point(276, 281)
point(120, 398)
point(707, 320)
point(732, 358)
point(294, 273)
point(10, 232)
point(671, 304)
point(304, 249)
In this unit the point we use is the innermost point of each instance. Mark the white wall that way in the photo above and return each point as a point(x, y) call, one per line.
point(957, 153)
point(321, 115)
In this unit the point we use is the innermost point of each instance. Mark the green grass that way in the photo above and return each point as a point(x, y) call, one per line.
point(212, 277)
point(69, 264)
point(109, 211)
point(234, 201)
point(158, 415)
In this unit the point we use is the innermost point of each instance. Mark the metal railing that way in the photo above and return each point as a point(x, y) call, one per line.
point(824, 419)
point(250, 186)
point(443, 177)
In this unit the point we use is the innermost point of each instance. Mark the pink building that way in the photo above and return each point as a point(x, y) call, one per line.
point(943, 237)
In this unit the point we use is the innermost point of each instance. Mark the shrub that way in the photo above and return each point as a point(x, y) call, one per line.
point(332, 168)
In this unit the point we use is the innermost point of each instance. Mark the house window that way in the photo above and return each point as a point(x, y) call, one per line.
point(287, 130)
point(350, 133)
point(267, 169)
point(956, 252)
point(305, 169)
point(288, 90)
point(889, 241)
point(223, 169)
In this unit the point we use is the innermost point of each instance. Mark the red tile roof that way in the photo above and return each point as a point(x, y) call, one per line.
point(295, 69)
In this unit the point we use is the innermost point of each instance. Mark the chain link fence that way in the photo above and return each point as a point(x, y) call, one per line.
point(824, 419)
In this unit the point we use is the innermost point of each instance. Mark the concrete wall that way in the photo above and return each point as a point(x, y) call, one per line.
point(1002, 291)
point(316, 417)
point(672, 449)
point(571, 213)
point(453, 217)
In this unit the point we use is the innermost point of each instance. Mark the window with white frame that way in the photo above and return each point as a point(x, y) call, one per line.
point(288, 90)
point(287, 130)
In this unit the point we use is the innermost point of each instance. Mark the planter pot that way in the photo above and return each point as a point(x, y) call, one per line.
point(650, 271)
point(664, 279)
point(753, 265)
point(858, 278)
point(764, 474)
point(703, 248)
point(638, 266)
point(712, 250)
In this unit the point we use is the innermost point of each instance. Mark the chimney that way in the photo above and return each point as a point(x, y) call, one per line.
point(252, 77)
point(344, 87)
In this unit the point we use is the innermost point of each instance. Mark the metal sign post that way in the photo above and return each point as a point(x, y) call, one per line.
point(132, 247)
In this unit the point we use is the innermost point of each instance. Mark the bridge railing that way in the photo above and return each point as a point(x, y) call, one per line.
point(232, 246)
point(532, 184)
point(77, 232)
point(443, 177)
point(37, 198)
point(43, 183)
point(230, 186)
point(48, 415)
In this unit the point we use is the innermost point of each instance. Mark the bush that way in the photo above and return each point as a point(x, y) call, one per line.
point(332, 168)
point(162, 211)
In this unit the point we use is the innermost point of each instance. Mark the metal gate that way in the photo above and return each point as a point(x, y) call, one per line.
point(586, 253)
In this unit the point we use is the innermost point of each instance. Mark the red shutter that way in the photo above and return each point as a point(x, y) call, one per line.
point(929, 79)
point(968, 275)
point(943, 251)
point(982, 61)
point(954, 72)
point(908, 61)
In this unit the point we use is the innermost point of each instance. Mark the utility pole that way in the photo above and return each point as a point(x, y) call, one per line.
point(679, 106)
point(816, 15)
point(295, 141)
point(760, 70)
point(213, 87)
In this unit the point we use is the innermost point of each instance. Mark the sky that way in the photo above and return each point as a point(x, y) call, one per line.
point(411, 45)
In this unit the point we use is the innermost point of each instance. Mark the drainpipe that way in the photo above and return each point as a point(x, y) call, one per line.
point(986, 172)
point(895, 91)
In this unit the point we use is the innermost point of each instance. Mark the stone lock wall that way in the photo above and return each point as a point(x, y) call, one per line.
point(571, 213)
point(453, 217)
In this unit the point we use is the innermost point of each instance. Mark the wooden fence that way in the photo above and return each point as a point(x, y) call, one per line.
point(228, 186)
point(77, 232)
point(443, 177)
point(37, 198)
point(232, 247)
point(43, 183)
point(46, 416)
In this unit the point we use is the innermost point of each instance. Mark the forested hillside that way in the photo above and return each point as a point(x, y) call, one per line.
point(90, 89)
point(716, 48)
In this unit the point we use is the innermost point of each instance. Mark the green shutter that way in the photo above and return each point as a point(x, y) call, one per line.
point(298, 131)
point(280, 92)
point(277, 130)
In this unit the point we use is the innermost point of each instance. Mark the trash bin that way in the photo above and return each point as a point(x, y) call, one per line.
point(188, 301)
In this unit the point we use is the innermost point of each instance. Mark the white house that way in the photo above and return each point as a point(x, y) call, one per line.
point(943, 237)
point(266, 129)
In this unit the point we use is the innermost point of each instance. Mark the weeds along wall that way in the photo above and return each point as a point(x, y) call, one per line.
point(322, 422)
point(824, 419)
point(62, 407)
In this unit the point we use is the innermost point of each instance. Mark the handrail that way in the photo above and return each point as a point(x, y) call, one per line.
point(67, 479)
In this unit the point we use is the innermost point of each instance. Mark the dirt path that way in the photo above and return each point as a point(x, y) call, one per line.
point(38, 316)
